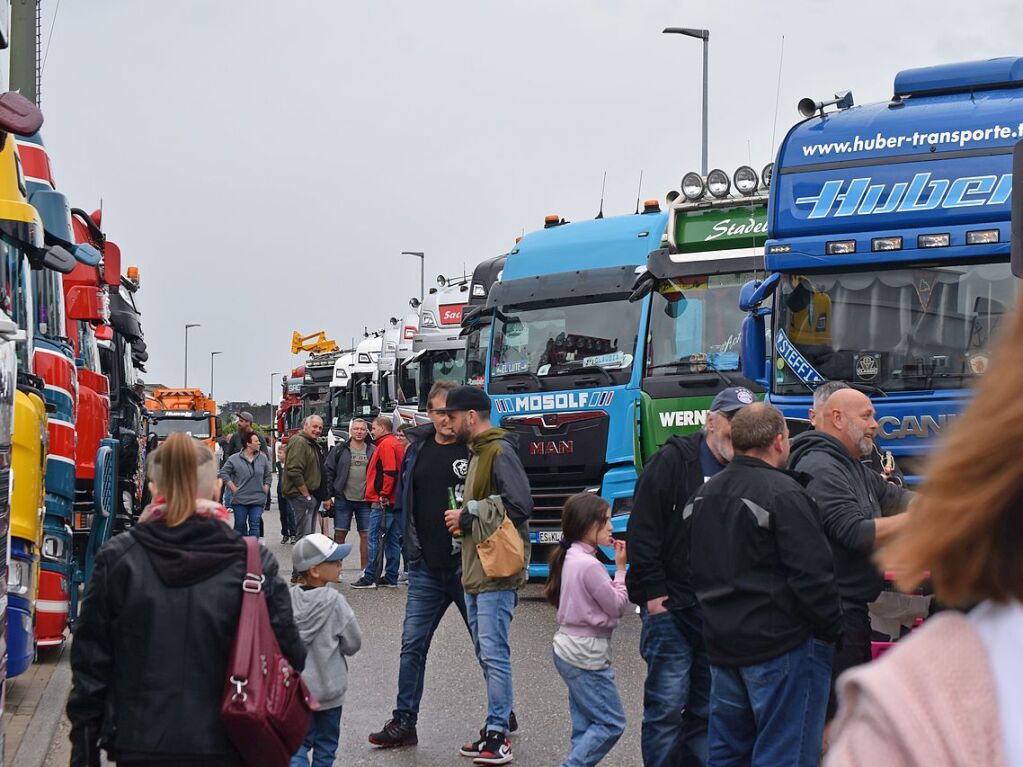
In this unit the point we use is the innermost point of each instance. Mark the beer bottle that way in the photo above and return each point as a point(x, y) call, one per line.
point(454, 504)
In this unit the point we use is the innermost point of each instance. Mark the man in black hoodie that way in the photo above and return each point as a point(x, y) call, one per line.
point(677, 688)
point(763, 573)
point(857, 507)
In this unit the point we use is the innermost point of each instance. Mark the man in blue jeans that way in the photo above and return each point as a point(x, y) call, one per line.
point(677, 689)
point(345, 468)
point(381, 492)
point(496, 489)
point(433, 470)
point(763, 572)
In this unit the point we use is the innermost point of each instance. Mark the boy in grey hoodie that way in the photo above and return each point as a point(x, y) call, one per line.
point(330, 632)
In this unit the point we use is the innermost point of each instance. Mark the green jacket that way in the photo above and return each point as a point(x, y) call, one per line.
point(505, 491)
point(301, 466)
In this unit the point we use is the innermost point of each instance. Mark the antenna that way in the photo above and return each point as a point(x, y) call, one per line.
point(600, 213)
point(639, 191)
point(777, 96)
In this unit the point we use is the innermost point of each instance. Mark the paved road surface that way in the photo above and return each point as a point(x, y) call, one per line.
point(454, 705)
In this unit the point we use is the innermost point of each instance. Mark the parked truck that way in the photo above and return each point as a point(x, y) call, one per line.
point(183, 410)
point(713, 245)
point(438, 349)
point(888, 250)
point(565, 366)
point(476, 321)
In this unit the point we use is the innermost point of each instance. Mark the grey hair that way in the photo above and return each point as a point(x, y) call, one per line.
point(823, 393)
point(308, 419)
point(358, 420)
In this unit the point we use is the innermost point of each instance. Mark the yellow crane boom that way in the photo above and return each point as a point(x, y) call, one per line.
point(314, 342)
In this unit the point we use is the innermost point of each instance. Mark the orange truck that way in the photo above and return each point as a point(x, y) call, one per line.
point(185, 410)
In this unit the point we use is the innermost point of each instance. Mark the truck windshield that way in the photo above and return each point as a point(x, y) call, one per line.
point(316, 403)
point(441, 365)
point(694, 324)
point(596, 339)
point(909, 329)
point(197, 427)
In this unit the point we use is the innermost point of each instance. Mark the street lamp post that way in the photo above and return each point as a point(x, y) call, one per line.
point(699, 34)
point(212, 356)
point(422, 270)
point(188, 326)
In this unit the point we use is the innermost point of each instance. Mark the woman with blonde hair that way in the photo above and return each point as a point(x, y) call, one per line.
point(952, 693)
point(149, 658)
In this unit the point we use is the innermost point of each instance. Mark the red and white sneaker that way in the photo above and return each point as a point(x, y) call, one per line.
point(495, 750)
point(473, 749)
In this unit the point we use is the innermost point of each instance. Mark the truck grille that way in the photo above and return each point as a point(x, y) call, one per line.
point(549, 496)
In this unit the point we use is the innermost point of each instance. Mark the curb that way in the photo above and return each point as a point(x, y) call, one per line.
point(32, 751)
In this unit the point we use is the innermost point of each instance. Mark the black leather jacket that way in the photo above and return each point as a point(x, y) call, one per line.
point(151, 646)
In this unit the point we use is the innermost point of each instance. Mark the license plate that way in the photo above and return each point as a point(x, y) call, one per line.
point(546, 536)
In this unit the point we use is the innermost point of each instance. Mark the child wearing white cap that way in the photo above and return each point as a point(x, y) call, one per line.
point(330, 632)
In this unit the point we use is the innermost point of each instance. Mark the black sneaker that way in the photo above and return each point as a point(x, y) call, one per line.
point(473, 749)
point(364, 583)
point(496, 750)
point(394, 735)
point(388, 585)
point(284, 540)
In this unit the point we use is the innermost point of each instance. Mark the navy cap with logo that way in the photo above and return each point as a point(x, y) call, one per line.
point(466, 398)
point(732, 399)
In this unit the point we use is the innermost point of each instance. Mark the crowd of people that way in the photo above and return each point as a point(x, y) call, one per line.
point(752, 558)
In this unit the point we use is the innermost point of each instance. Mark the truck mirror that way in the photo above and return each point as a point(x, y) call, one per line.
point(87, 254)
point(755, 291)
point(19, 115)
point(111, 264)
point(643, 285)
point(753, 346)
point(1017, 210)
point(55, 212)
point(58, 259)
point(84, 303)
point(217, 431)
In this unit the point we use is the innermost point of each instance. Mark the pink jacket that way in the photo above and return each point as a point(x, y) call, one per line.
point(591, 603)
point(930, 701)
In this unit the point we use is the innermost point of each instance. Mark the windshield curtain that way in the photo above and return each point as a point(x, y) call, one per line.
point(197, 427)
point(557, 340)
point(694, 325)
point(898, 330)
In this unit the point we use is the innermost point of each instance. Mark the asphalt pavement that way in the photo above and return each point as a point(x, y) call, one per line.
point(454, 703)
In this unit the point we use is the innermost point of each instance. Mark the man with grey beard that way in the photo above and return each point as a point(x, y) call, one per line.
point(857, 509)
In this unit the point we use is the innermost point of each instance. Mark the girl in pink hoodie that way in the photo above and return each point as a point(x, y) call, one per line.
point(590, 605)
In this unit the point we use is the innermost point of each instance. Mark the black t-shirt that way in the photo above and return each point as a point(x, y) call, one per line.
point(438, 467)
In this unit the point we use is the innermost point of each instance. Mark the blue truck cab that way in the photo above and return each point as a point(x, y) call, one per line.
point(888, 251)
point(565, 362)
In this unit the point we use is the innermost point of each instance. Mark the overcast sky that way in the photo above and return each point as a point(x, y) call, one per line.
point(265, 163)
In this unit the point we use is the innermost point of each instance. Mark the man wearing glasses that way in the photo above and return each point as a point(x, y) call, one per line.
point(677, 690)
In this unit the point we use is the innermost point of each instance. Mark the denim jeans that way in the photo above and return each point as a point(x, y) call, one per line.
point(598, 719)
point(490, 616)
point(247, 518)
point(430, 593)
point(321, 739)
point(344, 510)
point(287, 516)
point(388, 522)
point(677, 689)
point(771, 713)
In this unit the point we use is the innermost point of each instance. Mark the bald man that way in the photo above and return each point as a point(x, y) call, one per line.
point(857, 507)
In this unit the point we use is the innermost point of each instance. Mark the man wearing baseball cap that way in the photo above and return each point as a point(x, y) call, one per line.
point(330, 632)
point(677, 690)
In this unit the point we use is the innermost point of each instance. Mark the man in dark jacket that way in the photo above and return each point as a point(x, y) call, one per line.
point(345, 467)
point(677, 688)
point(237, 442)
point(302, 475)
point(856, 506)
point(434, 468)
point(146, 682)
point(762, 571)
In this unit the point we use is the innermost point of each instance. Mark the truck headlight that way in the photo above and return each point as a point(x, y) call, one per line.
point(718, 183)
point(19, 577)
